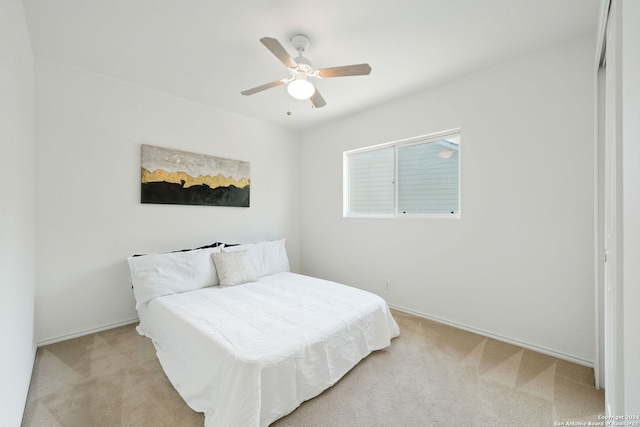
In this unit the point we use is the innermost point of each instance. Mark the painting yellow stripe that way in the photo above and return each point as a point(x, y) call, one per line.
point(160, 175)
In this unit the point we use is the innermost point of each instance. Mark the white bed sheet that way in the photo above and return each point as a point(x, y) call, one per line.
point(250, 354)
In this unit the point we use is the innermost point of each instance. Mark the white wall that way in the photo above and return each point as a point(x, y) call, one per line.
point(88, 135)
point(519, 264)
point(17, 212)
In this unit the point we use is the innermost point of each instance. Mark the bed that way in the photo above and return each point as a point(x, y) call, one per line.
point(243, 339)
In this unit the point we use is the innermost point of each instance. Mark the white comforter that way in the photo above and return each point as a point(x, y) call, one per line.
point(250, 354)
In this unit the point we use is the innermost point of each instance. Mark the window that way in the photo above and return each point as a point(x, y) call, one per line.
point(419, 176)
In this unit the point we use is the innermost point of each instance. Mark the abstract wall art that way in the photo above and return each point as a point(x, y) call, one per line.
point(183, 178)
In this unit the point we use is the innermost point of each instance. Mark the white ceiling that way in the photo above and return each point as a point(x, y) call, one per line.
point(209, 50)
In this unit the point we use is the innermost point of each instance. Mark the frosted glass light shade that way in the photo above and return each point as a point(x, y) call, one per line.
point(301, 89)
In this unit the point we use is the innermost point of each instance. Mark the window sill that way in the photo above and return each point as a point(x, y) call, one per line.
point(406, 216)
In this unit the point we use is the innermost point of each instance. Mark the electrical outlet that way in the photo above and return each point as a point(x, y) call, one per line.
point(387, 284)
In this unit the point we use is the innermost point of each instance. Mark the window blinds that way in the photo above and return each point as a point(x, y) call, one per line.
point(405, 179)
point(427, 179)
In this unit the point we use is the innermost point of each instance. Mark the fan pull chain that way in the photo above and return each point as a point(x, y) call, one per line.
point(289, 112)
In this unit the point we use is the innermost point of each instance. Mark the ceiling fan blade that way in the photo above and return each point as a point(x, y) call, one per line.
point(280, 52)
point(346, 70)
point(317, 100)
point(264, 87)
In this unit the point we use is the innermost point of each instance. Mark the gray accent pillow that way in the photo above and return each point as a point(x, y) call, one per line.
point(234, 268)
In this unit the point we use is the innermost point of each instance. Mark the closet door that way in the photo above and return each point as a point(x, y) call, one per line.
point(613, 304)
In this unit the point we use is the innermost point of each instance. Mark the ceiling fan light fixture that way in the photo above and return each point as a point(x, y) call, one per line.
point(301, 88)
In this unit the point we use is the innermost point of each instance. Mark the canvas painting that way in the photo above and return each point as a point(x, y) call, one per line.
point(184, 178)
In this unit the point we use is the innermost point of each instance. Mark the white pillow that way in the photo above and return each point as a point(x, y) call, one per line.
point(268, 257)
point(234, 268)
point(156, 275)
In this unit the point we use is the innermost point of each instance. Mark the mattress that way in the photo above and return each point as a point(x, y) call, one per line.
point(247, 355)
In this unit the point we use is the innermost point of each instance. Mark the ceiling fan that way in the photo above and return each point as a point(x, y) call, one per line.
point(301, 70)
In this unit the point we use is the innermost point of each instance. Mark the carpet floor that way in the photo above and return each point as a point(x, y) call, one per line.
point(432, 375)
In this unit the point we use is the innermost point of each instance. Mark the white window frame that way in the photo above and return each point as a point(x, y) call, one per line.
point(422, 139)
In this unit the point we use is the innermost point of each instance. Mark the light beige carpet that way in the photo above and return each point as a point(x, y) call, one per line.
point(432, 375)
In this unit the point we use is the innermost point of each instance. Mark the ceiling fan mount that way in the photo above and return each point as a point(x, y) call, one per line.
point(301, 70)
point(300, 43)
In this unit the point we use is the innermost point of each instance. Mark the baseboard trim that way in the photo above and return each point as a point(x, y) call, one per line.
point(86, 332)
point(508, 340)
point(543, 350)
